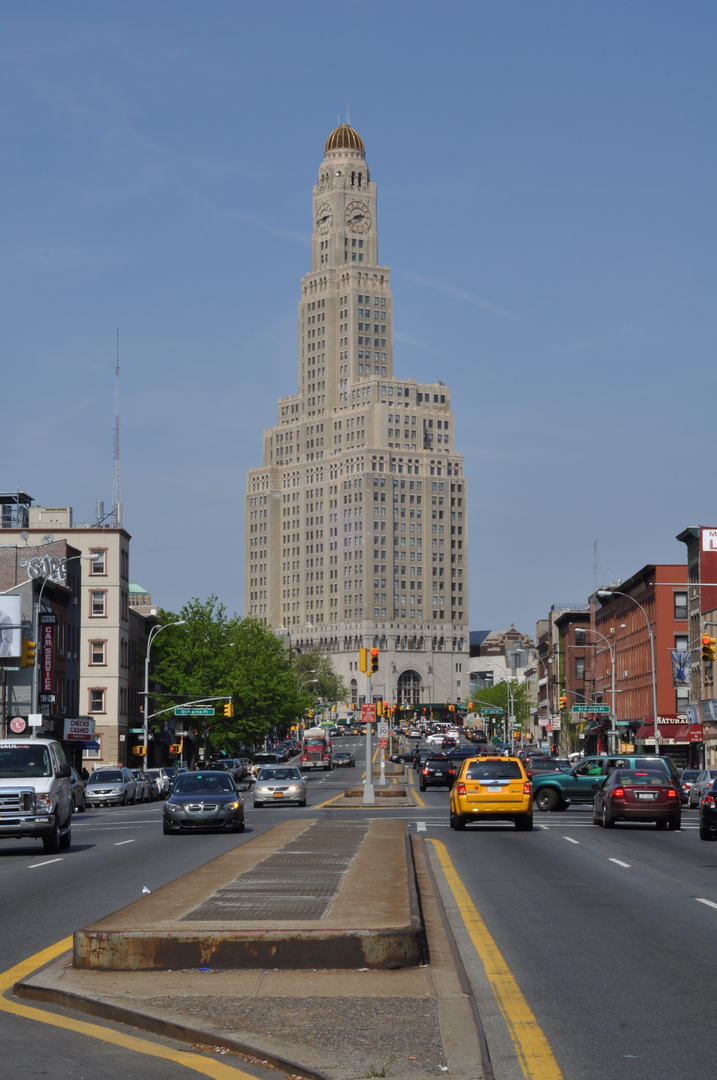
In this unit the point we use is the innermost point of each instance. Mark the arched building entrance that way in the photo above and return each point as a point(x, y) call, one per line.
point(408, 690)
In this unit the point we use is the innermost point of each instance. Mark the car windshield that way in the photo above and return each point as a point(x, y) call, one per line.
point(193, 783)
point(494, 770)
point(154, 773)
point(106, 776)
point(640, 778)
point(689, 775)
point(279, 774)
point(25, 761)
point(548, 764)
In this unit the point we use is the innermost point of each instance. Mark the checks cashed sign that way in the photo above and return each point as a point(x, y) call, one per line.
point(79, 728)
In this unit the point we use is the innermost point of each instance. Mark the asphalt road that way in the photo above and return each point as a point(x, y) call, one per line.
point(605, 932)
point(116, 853)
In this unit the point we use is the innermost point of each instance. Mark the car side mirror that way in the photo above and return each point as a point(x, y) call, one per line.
point(64, 771)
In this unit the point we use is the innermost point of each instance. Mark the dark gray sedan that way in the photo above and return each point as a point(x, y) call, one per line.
point(202, 801)
point(344, 760)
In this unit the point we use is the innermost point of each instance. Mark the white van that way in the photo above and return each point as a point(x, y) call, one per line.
point(35, 792)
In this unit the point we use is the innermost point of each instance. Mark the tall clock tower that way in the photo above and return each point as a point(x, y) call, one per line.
point(356, 523)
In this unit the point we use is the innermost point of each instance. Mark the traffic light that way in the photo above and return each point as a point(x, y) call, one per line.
point(27, 656)
point(363, 660)
point(229, 710)
point(708, 648)
point(374, 661)
point(139, 751)
point(563, 701)
point(310, 714)
point(379, 708)
point(175, 748)
point(470, 706)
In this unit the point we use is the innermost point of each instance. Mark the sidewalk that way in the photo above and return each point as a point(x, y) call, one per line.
point(308, 949)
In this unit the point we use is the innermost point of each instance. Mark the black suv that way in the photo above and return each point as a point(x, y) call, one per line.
point(438, 772)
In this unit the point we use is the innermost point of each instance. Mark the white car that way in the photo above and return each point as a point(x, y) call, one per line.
point(436, 738)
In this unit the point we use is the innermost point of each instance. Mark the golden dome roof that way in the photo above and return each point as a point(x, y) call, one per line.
point(344, 138)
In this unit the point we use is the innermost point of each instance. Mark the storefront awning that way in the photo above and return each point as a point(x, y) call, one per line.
point(670, 734)
point(83, 744)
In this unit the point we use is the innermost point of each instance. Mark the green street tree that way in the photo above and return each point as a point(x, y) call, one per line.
point(316, 679)
point(497, 697)
point(214, 655)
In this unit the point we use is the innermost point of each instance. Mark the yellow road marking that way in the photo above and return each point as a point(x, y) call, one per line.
point(218, 1070)
point(415, 794)
point(328, 801)
point(532, 1048)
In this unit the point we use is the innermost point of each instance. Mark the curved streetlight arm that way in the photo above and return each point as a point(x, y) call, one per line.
point(152, 635)
point(615, 592)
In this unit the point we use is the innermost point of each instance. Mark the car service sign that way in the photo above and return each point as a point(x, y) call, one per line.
point(17, 724)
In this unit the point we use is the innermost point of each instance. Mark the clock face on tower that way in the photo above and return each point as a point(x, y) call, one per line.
point(358, 218)
point(324, 217)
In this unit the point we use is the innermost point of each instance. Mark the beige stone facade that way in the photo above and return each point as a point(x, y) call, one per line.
point(105, 649)
point(356, 522)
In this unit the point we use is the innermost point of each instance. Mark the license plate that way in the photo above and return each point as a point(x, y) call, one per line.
point(646, 795)
point(278, 794)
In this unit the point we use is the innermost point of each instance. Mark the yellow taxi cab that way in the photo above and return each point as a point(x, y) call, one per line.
point(492, 789)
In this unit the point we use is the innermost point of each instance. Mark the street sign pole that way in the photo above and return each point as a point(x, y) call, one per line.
point(369, 795)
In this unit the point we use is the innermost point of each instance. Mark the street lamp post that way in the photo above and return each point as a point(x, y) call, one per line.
point(548, 710)
point(616, 592)
point(614, 733)
point(152, 635)
point(508, 726)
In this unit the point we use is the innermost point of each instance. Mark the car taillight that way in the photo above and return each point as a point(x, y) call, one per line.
point(527, 788)
point(425, 772)
point(708, 800)
point(619, 793)
point(461, 788)
point(671, 793)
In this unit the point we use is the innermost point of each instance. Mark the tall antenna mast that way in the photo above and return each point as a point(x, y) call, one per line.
point(116, 504)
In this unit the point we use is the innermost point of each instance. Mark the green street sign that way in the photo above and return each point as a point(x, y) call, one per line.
point(591, 708)
point(491, 712)
point(194, 710)
point(136, 731)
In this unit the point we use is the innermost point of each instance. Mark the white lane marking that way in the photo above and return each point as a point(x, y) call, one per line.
point(570, 840)
point(619, 862)
point(121, 842)
point(34, 866)
point(420, 826)
point(708, 902)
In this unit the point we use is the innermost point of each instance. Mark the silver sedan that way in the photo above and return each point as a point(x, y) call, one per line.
point(279, 784)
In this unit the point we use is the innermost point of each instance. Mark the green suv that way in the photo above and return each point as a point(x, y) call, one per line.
point(557, 790)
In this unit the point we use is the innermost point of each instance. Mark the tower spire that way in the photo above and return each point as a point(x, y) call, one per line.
point(116, 504)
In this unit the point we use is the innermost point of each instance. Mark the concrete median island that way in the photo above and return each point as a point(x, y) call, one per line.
point(320, 947)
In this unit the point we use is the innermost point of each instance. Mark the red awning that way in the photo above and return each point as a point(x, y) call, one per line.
point(670, 733)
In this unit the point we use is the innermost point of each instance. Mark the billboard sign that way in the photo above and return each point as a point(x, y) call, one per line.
point(10, 628)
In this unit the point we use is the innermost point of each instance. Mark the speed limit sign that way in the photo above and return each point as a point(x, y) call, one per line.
point(17, 724)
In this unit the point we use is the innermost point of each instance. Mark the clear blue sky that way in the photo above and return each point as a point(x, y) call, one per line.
point(546, 180)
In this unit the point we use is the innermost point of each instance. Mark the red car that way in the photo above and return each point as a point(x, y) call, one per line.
point(637, 795)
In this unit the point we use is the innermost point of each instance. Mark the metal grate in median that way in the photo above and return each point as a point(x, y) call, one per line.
point(299, 881)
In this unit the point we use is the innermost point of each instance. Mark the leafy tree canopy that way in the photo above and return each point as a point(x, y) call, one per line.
point(497, 697)
point(316, 678)
point(214, 655)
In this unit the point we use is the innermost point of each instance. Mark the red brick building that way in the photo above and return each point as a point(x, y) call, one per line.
point(661, 590)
